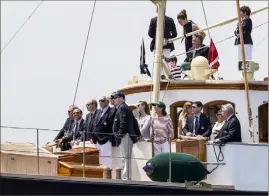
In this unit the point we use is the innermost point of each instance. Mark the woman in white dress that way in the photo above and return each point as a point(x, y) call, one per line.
point(144, 119)
point(218, 125)
point(186, 111)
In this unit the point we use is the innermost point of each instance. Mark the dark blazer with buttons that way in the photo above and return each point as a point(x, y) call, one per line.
point(170, 31)
point(230, 131)
point(66, 127)
point(247, 29)
point(65, 142)
point(89, 125)
point(125, 122)
point(204, 128)
point(102, 131)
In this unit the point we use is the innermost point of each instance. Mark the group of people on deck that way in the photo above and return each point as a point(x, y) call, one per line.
point(194, 44)
point(114, 125)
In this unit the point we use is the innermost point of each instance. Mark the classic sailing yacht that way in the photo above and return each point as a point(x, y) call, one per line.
point(244, 164)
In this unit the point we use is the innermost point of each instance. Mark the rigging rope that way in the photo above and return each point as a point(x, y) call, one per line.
point(205, 18)
point(22, 26)
point(84, 52)
point(261, 41)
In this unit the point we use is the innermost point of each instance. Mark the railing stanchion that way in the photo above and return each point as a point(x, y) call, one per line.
point(83, 153)
point(170, 163)
point(37, 149)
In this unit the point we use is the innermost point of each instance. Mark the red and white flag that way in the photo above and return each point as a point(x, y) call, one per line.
point(213, 56)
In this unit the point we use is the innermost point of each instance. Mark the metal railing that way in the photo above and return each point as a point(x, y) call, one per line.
point(127, 156)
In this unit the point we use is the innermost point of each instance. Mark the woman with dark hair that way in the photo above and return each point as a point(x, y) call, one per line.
point(162, 129)
point(144, 119)
point(247, 29)
point(188, 26)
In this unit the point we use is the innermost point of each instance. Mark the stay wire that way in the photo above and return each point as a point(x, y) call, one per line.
point(22, 26)
point(84, 52)
point(205, 18)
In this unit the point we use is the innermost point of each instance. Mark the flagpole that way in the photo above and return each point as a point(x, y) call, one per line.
point(215, 25)
point(244, 72)
point(158, 52)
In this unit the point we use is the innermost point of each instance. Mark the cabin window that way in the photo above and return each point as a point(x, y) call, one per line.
point(263, 123)
point(175, 110)
point(210, 109)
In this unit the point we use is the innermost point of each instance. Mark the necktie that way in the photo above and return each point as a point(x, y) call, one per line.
point(196, 125)
point(75, 130)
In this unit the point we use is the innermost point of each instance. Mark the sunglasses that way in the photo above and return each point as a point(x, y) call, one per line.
point(101, 100)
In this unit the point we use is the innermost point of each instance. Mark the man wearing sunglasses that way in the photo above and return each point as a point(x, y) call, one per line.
point(67, 123)
point(102, 132)
point(90, 120)
point(197, 124)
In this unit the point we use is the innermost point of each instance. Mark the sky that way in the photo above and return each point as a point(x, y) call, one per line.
point(40, 67)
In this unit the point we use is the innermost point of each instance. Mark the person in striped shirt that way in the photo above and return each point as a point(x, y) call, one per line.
point(175, 69)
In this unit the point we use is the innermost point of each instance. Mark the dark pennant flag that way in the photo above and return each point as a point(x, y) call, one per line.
point(143, 66)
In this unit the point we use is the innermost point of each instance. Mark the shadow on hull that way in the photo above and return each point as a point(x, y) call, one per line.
point(12, 184)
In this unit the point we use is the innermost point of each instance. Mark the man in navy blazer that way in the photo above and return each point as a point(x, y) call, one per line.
point(102, 132)
point(197, 124)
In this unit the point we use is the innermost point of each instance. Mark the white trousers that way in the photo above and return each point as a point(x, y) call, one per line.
point(159, 148)
point(248, 52)
point(126, 148)
point(166, 53)
point(105, 153)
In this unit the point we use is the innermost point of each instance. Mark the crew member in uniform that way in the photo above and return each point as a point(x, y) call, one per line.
point(247, 29)
point(170, 31)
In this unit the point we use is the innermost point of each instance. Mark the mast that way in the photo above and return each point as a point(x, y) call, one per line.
point(244, 72)
point(159, 50)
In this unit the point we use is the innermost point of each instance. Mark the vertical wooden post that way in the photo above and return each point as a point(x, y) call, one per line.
point(244, 65)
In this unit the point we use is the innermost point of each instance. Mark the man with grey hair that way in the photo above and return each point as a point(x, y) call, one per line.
point(102, 132)
point(231, 130)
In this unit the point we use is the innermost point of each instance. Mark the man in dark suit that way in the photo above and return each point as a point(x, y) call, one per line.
point(113, 113)
point(90, 120)
point(231, 130)
point(67, 123)
point(197, 124)
point(170, 31)
point(102, 132)
point(125, 132)
point(74, 132)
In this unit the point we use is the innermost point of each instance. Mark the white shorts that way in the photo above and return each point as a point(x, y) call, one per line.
point(248, 52)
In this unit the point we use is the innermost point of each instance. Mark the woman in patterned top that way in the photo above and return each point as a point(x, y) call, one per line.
point(162, 129)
